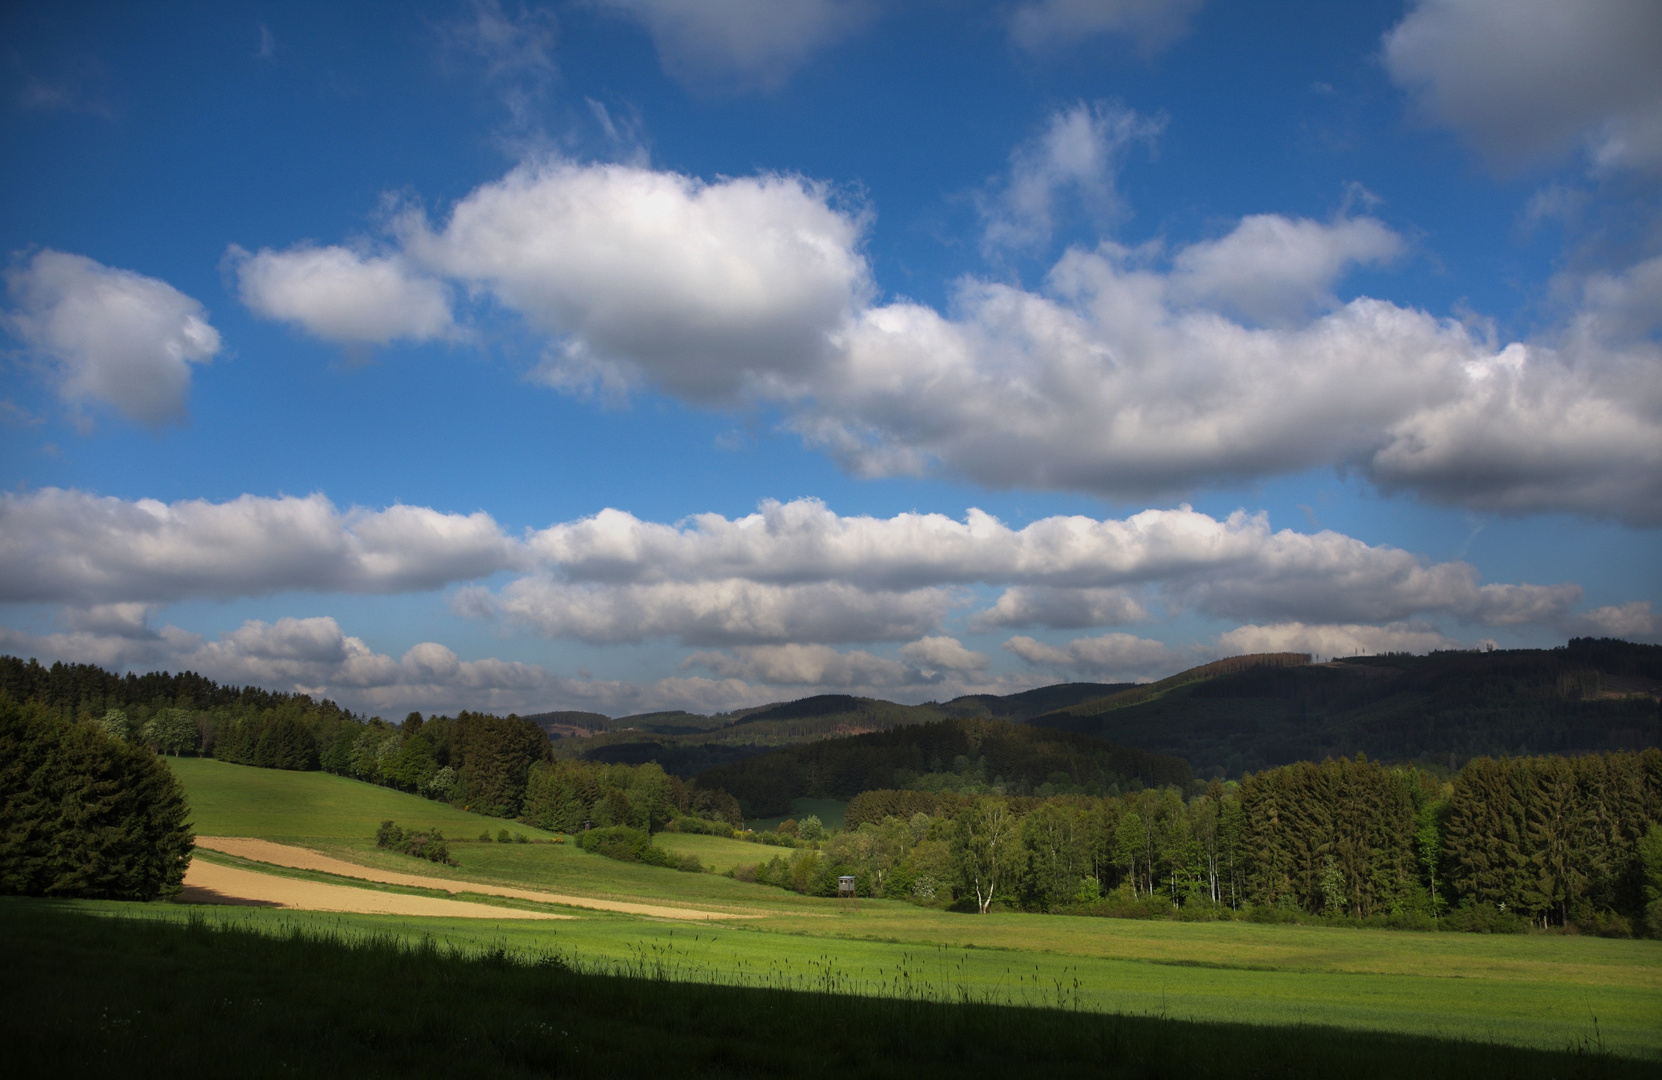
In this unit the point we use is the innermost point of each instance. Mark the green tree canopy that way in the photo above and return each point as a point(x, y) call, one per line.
point(83, 814)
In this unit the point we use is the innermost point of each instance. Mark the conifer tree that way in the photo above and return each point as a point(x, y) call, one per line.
point(83, 814)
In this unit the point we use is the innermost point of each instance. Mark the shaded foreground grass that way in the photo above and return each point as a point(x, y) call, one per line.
point(162, 996)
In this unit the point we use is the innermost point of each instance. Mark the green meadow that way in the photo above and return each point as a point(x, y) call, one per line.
point(240, 800)
point(1541, 991)
point(829, 811)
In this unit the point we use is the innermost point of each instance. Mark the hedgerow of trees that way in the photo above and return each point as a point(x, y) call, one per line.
point(1548, 841)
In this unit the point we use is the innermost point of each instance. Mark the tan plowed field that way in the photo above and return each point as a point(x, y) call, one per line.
point(210, 883)
point(296, 858)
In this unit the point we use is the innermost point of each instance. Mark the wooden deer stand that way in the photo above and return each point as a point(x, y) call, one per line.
point(846, 896)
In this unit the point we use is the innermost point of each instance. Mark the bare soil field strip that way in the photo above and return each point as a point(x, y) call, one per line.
point(296, 858)
point(209, 883)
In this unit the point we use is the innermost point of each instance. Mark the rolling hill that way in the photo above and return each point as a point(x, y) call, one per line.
point(1250, 713)
point(688, 743)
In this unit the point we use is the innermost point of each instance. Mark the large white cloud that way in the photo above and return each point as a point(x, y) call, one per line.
point(943, 653)
point(1635, 621)
point(790, 573)
point(1114, 381)
point(1045, 24)
point(1129, 373)
point(1063, 608)
point(1525, 78)
point(340, 295)
point(1116, 656)
point(116, 337)
point(940, 667)
point(1273, 269)
point(740, 44)
point(1323, 641)
point(72, 547)
point(710, 291)
point(1237, 566)
point(805, 665)
point(712, 611)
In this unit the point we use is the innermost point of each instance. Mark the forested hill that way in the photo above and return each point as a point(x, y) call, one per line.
point(956, 755)
point(688, 743)
point(1591, 694)
point(90, 690)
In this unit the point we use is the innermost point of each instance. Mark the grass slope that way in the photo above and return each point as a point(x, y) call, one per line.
point(831, 813)
point(240, 800)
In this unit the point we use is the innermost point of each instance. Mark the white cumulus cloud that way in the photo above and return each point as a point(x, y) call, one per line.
point(342, 296)
point(943, 653)
point(116, 337)
point(742, 44)
point(789, 572)
point(804, 665)
point(1527, 78)
point(710, 291)
point(1634, 621)
point(1063, 608)
point(1346, 639)
point(72, 547)
point(1116, 656)
point(1113, 381)
point(1276, 269)
point(711, 611)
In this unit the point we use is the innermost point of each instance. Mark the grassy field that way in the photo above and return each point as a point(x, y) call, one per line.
point(240, 800)
point(718, 851)
point(829, 811)
point(307, 996)
point(1544, 991)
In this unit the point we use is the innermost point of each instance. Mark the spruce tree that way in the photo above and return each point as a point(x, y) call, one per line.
point(83, 814)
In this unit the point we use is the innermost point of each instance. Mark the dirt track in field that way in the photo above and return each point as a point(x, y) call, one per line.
point(210, 883)
point(296, 858)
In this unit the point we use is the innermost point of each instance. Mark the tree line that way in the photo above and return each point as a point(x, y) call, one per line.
point(1549, 841)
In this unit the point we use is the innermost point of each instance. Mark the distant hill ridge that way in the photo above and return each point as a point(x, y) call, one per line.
point(1137, 694)
point(1246, 714)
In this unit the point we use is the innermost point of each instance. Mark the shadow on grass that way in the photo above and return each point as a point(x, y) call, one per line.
point(142, 997)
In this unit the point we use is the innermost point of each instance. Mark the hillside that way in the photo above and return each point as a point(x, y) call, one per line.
point(688, 743)
point(952, 755)
point(1449, 706)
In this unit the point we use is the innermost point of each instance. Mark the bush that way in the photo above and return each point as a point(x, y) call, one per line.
point(85, 814)
point(1203, 911)
point(626, 844)
point(1601, 921)
point(423, 844)
point(1484, 919)
point(1119, 906)
point(687, 823)
point(771, 839)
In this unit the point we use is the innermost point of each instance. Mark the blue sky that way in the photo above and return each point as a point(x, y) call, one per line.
point(636, 354)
